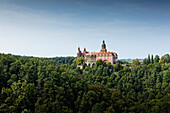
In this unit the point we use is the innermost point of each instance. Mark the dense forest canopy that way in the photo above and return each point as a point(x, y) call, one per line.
point(29, 84)
point(56, 60)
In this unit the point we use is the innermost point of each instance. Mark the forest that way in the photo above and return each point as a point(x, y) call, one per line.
point(57, 85)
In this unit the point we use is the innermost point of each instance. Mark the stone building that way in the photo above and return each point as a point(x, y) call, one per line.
point(92, 57)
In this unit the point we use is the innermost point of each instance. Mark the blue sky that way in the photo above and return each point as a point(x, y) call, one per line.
point(48, 28)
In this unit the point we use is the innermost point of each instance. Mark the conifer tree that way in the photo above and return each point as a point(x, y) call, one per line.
point(156, 58)
point(148, 60)
point(145, 61)
point(152, 61)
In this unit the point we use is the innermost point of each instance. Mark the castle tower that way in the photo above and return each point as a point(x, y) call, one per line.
point(103, 49)
point(84, 49)
point(79, 52)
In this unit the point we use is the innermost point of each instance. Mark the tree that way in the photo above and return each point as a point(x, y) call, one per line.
point(100, 62)
point(97, 108)
point(148, 60)
point(19, 96)
point(118, 67)
point(110, 110)
point(144, 61)
point(156, 59)
point(166, 76)
point(165, 58)
point(136, 62)
point(152, 61)
point(88, 100)
point(79, 61)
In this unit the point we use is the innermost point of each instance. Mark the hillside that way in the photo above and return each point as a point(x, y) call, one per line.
point(39, 85)
point(56, 60)
point(129, 60)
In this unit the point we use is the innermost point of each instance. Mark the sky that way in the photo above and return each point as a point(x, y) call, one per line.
point(50, 28)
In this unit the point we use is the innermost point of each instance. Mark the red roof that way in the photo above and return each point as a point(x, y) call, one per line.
point(103, 53)
point(78, 51)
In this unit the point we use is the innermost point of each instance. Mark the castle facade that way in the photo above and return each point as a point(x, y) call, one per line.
point(92, 57)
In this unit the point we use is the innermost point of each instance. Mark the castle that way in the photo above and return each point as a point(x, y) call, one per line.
point(92, 57)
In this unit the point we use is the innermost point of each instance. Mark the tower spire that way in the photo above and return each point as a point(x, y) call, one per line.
point(103, 49)
point(78, 50)
point(85, 49)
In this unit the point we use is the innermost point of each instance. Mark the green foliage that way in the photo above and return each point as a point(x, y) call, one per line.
point(56, 60)
point(122, 61)
point(100, 62)
point(156, 59)
point(136, 62)
point(19, 97)
point(148, 60)
point(152, 61)
point(165, 58)
point(144, 61)
point(29, 85)
point(118, 67)
point(79, 61)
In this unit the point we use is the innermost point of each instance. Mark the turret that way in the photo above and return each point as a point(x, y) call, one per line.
point(79, 52)
point(84, 49)
point(103, 49)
